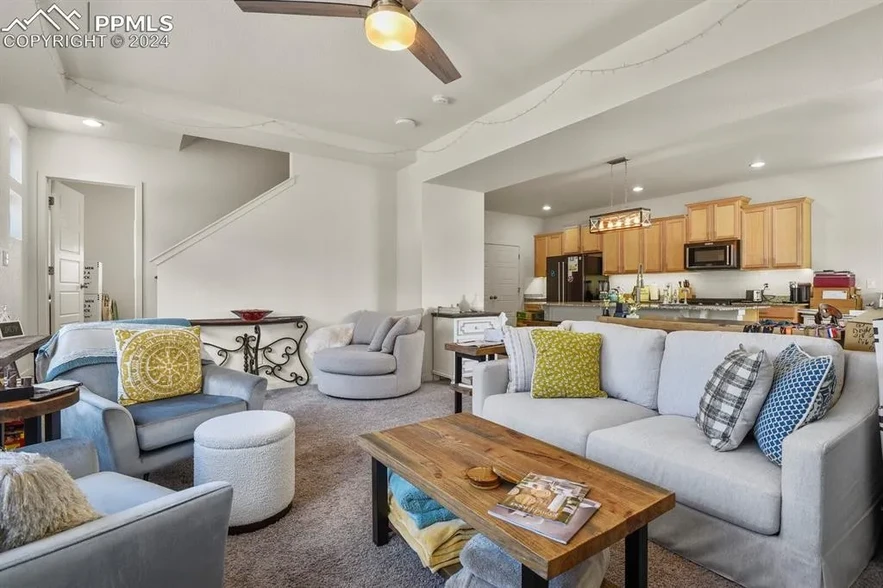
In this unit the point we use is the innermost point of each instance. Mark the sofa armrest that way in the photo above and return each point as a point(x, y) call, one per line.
point(832, 469)
point(109, 426)
point(488, 378)
point(219, 381)
point(408, 351)
point(176, 541)
point(78, 456)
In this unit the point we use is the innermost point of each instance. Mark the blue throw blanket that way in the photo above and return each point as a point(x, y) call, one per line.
point(422, 509)
point(81, 344)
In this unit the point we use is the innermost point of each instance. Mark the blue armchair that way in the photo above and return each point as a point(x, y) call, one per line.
point(149, 535)
point(140, 438)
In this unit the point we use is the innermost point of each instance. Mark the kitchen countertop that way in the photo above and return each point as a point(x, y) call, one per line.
point(470, 314)
point(652, 306)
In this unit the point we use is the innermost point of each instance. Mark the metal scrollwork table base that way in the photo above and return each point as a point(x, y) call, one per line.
point(258, 359)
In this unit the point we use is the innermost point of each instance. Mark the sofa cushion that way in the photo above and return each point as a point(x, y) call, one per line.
point(564, 422)
point(741, 487)
point(380, 334)
point(366, 325)
point(164, 422)
point(691, 356)
point(110, 492)
point(568, 365)
point(630, 360)
point(405, 325)
point(354, 360)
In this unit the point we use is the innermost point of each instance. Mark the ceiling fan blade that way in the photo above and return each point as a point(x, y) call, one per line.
point(304, 8)
point(427, 50)
point(409, 4)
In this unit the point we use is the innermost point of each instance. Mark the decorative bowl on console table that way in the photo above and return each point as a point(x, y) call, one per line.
point(252, 315)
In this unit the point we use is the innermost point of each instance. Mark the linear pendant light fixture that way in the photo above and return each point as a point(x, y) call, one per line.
point(620, 219)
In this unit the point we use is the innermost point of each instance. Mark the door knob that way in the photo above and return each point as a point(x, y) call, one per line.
point(82, 286)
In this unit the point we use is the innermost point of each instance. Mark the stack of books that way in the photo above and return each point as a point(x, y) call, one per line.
point(552, 507)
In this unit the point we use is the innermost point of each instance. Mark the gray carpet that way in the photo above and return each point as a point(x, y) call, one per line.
point(325, 541)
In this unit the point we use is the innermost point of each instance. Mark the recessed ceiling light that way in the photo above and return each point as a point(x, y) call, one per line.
point(91, 122)
point(547, 208)
point(638, 189)
point(441, 99)
point(408, 123)
point(757, 164)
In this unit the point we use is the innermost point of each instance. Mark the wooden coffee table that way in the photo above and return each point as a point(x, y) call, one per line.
point(433, 455)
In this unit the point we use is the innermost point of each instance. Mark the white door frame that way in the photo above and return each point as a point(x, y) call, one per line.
point(44, 238)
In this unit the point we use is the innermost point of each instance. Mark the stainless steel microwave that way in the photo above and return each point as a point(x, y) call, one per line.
point(713, 255)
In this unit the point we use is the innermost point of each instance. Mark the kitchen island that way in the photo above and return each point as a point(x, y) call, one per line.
point(587, 311)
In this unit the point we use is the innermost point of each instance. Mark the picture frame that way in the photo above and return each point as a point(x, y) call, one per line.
point(11, 330)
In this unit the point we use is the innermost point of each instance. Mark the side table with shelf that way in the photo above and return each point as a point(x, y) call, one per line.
point(480, 353)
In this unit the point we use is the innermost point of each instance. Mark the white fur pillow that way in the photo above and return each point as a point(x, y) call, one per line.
point(328, 337)
point(38, 498)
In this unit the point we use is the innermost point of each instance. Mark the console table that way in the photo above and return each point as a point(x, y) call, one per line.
point(256, 357)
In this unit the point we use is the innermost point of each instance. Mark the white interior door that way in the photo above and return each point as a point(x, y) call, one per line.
point(502, 279)
point(67, 214)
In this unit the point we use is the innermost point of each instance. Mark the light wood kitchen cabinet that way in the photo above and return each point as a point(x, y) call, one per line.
point(674, 236)
point(545, 246)
point(717, 220)
point(556, 245)
point(632, 250)
point(612, 256)
point(570, 239)
point(755, 237)
point(540, 253)
point(652, 247)
point(791, 228)
point(591, 242)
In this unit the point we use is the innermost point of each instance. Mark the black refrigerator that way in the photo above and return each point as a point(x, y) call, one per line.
point(569, 276)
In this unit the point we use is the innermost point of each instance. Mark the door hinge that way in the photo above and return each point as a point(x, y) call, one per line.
point(52, 201)
point(51, 270)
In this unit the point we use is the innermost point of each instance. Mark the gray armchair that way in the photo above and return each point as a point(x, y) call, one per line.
point(140, 438)
point(149, 535)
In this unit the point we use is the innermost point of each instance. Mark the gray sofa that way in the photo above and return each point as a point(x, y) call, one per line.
point(354, 372)
point(812, 523)
point(150, 536)
point(140, 438)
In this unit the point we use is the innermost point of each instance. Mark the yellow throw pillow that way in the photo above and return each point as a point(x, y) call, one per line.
point(568, 365)
point(157, 363)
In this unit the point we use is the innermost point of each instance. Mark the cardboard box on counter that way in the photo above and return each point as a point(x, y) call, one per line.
point(859, 335)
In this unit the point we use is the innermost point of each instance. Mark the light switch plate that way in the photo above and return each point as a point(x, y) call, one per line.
point(5, 256)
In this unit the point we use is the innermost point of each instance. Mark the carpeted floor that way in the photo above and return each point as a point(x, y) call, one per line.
point(325, 541)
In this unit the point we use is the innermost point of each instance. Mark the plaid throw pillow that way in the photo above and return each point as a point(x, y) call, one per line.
point(734, 396)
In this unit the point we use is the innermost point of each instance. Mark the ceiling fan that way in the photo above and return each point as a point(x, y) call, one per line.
point(388, 25)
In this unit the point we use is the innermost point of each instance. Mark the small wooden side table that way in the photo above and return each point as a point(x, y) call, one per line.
point(42, 418)
point(479, 353)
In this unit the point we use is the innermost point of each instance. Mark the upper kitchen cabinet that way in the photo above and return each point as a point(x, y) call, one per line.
point(756, 237)
point(777, 235)
point(717, 220)
point(632, 250)
point(674, 236)
point(570, 240)
point(791, 239)
point(612, 258)
point(652, 247)
point(591, 242)
point(545, 246)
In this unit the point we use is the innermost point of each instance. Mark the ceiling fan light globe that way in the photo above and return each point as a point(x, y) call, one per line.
point(390, 27)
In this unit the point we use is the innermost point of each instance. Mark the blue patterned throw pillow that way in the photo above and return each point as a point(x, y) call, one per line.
point(802, 392)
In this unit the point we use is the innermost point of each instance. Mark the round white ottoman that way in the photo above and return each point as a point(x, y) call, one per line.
point(254, 452)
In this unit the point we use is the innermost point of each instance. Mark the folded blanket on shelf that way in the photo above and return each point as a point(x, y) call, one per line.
point(438, 545)
point(487, 562)
point(420, 507)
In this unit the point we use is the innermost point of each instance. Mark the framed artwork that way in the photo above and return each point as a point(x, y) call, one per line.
point(11, 330)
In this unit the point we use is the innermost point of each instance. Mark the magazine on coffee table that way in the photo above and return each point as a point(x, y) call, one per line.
point(560, 532)
point(551, 498)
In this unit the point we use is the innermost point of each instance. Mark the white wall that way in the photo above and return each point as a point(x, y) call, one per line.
point(453, 246)
point(109, 218)
point(323, 248)
point(12, 275)
point(847, 224)
point(183, 190)
point(514, 229)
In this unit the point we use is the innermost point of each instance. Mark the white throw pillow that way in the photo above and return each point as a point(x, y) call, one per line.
point(328, 337)
point(39, 498)
point(522, 356)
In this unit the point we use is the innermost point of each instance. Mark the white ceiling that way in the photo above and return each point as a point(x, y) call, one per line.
point(847, 126)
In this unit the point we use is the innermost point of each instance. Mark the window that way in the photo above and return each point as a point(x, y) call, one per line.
point(16, 159)
point(15, 216)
